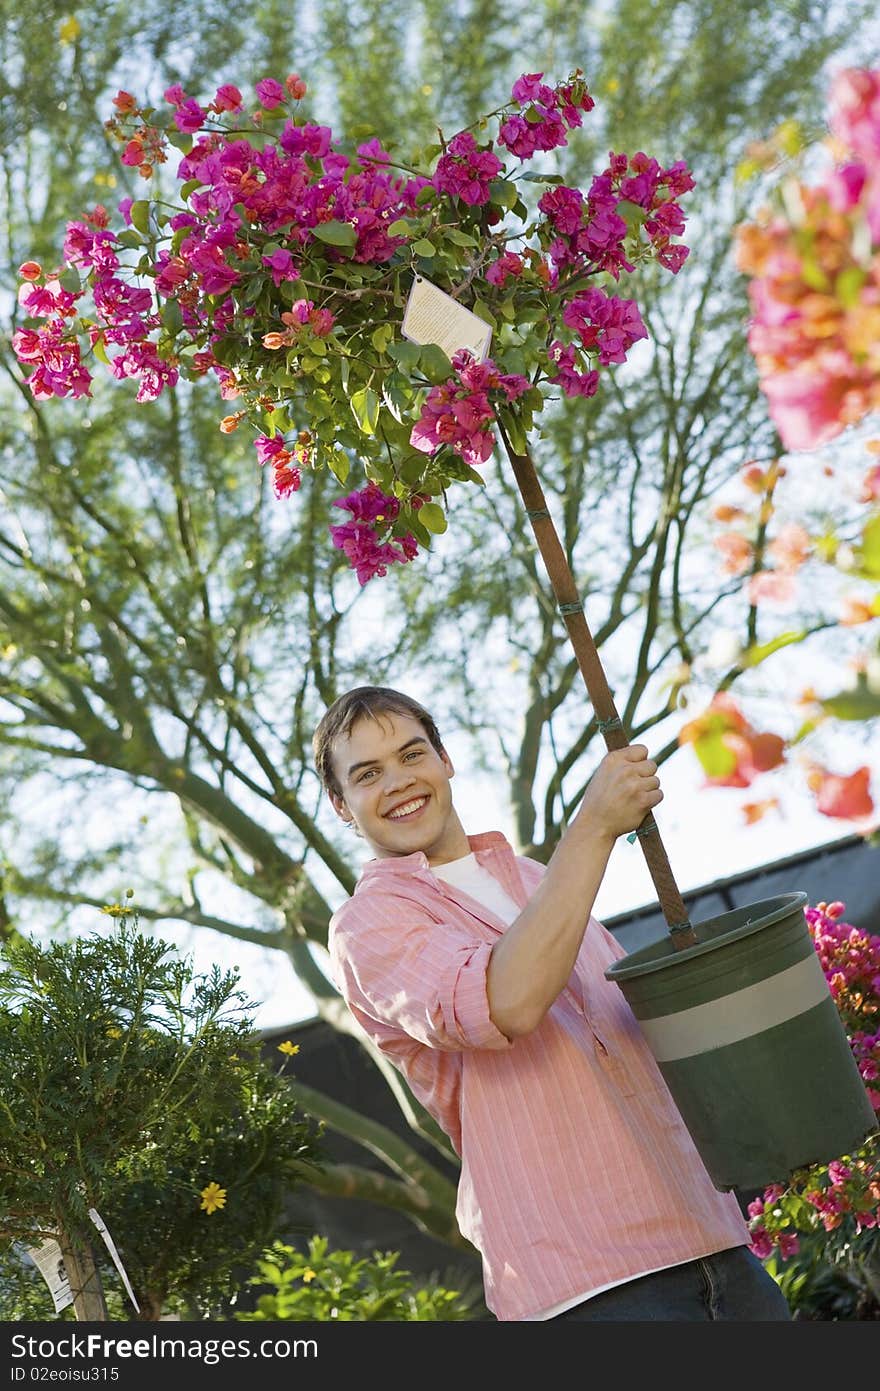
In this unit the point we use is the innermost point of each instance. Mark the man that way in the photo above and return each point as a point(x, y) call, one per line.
point(480, 975)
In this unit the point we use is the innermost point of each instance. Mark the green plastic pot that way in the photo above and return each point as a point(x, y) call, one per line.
point(750, 1043)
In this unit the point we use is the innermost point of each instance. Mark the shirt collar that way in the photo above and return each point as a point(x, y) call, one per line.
point(483, 846)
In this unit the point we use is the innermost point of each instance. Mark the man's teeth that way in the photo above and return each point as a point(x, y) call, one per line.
point(407, 808)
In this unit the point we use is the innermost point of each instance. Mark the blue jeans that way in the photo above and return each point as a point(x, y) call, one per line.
point(727, 1287)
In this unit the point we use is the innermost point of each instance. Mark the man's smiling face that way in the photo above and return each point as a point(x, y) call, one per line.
point(395, 788)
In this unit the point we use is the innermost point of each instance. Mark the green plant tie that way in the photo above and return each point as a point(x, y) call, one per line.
point(642, 831)
point(576, 607)
point(540, 514)
point(613, 723)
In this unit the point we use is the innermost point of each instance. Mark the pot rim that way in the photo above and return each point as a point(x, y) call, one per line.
point(629, 966)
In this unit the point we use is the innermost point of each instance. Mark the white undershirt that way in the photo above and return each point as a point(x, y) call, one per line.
point(468, 875)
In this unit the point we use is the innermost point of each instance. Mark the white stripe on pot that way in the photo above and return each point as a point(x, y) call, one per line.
point(740, 1015)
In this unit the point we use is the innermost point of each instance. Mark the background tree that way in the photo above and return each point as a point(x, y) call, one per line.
point(169, 634)
point(131, 1088)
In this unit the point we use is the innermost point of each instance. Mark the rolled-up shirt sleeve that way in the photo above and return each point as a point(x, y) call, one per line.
point(396, 967)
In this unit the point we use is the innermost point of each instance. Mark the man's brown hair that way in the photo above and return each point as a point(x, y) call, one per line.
point(364, 702)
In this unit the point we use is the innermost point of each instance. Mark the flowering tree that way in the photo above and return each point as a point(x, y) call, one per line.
point(284, 272)
point(264, 218)
point(813, 260)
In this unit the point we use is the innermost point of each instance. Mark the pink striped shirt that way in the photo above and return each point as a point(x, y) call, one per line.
point(576, 1169)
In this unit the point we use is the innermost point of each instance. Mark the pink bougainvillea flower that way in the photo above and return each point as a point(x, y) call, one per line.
point(756, 811)
point(844, 797)
point(774, 587)
point(567, 375)
point(737, 551)
point(125, 103)
point(282, 266)
point(270, 93)
point(854, 611)
point(465, 170)
point(367, 555)
point(286, 478)
point(871, 485)
point(174, 95)
point(791, 546)
point(228, 98)
point(807, 404)
point(508, 264)
point(295, 86)
point(731, 752)
point(855, 112)
point(189, 116)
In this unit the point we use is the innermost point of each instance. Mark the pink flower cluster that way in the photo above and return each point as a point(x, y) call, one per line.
point(123, 317)
point(844, 1189)
point(815, 282)
point(606, 327)
point(372, 513)
point(459, 412)
point(588, 233)
point(550, 112)
point(286, 476)
point(465, 171)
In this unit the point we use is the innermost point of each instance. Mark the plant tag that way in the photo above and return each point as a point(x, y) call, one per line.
point(432, 316)
point(114, 1254)
point(50, 1263)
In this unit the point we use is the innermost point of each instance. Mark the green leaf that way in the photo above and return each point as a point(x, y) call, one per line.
point(533, 178)
point(503, 192)
point(426, 194)
point(129, 238)
point(860, 703)
point(340, 465)
point(848, 285)
point(432, 516)
point(172, 316)
point(459, 238)
point(434, 363)
point(632, 213)
point(758, 653)
point(400, 228)
point(424, 247)
point(70, 281)
point(514, 430)
point(140, 215)
point(405, 353)
point(189, 187)
point(411, 468)
point(716, 758)
point(381, 337)
point(336, 234)
point(365, 409)
point(869, 551)
point(482, 311)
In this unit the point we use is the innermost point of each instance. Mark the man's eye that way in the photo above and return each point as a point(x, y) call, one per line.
point(368, 774)
point(413, 753)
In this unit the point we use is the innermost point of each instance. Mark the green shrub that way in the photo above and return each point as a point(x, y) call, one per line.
point(324, 1285)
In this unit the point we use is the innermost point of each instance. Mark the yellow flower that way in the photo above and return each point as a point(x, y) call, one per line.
point(114, 1033)
point(308, 1275)
point(213, 1197)
point(288, 1048)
